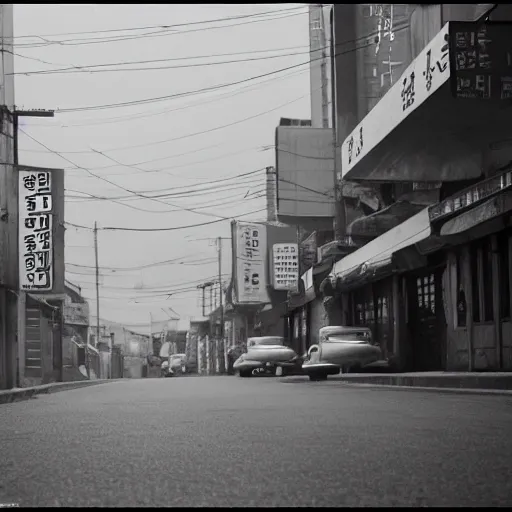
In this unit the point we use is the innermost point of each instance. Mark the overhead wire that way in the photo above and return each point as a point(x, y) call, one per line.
point(98, 107)
point(81, 69)
point(161, 32)
point(151, 27)
point(183, 94)
point(209, 214)
point(143, 115)
point(151, 61)
point(171, 261)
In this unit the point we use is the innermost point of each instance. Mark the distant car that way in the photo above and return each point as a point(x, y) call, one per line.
point(265, 354)
point(177, 364)
point(340, 349)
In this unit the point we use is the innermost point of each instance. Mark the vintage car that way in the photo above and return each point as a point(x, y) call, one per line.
point(265, 354)
point(340, 349)
point(175, 365)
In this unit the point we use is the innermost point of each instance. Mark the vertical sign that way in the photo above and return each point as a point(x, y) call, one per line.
point(35, 230)
point(481, 56)
point(285, 263)
point(250, 243)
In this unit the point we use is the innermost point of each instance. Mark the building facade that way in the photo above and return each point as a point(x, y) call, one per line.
point(434, 287)
point(8, 208)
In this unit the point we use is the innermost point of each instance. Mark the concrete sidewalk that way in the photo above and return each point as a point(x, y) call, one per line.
point(461, 382)
point(17, 394)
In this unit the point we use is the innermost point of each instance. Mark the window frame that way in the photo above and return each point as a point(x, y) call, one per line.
point(482, 288)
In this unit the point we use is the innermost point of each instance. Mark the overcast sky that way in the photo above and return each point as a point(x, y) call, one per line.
point(141, 136)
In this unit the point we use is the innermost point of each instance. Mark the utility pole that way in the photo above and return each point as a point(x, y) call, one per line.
point(219, 246)
point(97, 292)
point(202, 288)
point(12, 305)
point(339, 224)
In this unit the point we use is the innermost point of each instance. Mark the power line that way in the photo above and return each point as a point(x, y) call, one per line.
point(245, 175)
point(194, 208)
point(80, 69)
point(200, 190)
point(110, 228)
point(168, 288)
point(123, 188)
point(142, 115)
point(188, 93)
point(158, 33)
point(135, 166)
point(154, 61)
point(151, 27)
point(234, 123)
point(140, 267)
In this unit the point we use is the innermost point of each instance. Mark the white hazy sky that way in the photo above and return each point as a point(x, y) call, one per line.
point(128, 134)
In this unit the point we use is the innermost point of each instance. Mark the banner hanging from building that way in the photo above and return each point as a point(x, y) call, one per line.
point(35, 230)
point(285, 266)
point(250, 262)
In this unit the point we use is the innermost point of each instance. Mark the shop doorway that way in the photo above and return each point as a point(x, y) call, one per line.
point(427, 322)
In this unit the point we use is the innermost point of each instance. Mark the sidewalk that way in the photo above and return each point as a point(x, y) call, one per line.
point(494, 383)
point(17, 394)
point(461, 382)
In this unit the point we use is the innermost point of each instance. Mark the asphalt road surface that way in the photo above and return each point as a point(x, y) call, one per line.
point(226, 441)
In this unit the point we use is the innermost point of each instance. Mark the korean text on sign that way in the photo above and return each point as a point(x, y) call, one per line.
point(286, 266)
point(36, 242)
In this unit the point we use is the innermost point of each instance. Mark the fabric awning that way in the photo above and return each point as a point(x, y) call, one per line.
point(375, 259)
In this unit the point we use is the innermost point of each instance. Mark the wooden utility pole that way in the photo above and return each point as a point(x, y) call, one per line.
point(202, 288)
point(219, 246)
point(12, 334)
point(97, 288)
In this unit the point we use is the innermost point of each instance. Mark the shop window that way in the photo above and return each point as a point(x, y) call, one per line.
point(482, 281)
point(504, 281)
point(426, 294)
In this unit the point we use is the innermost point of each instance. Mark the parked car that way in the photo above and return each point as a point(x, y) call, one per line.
point(265, 354)
point(340, 349)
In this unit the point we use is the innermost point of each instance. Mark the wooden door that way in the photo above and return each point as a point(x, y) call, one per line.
point(427, 323)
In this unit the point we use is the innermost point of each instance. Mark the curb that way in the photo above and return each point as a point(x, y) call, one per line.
point(401, 387)
point(431, 389)
point(16, 395)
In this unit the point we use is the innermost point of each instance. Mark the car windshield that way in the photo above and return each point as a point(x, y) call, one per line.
point(271, 340)
point(351, 337)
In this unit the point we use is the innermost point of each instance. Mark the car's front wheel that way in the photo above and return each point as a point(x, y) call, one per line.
point(245, 373)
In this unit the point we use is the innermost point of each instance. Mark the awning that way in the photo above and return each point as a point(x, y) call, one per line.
point(486, 218)
point(375, 259)
point(391, 111)
point(433, 123)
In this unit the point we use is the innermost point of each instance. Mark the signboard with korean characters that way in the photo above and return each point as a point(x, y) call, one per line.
point(35, 230)
point(481, 60)
point(285, 266)
point(250, 252)
point(41, 230)
point(422, 78)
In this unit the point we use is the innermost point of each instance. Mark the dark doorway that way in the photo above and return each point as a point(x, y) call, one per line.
point(427, 322)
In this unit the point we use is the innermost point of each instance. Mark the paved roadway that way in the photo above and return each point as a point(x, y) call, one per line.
point(226, 441)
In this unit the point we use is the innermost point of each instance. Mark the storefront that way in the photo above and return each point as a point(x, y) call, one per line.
point(476, 224)
point(373, 280)
point(42, 354)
